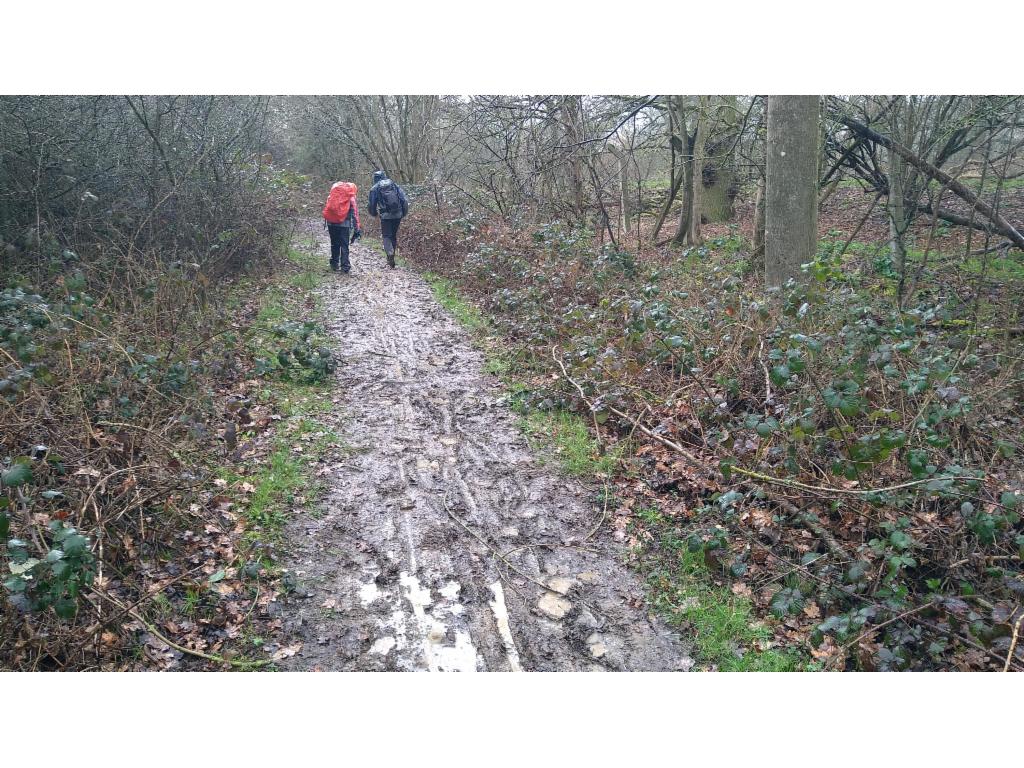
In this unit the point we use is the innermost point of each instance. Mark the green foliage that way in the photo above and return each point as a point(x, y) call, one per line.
point(448, 297)
point(287, 349)
point(56, 577)
point(725, 629)
point(297, 352)
point(18, 473)
point(864, 395)
point(566, 437)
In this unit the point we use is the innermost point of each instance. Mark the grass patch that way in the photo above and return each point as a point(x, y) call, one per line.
point(279, 481)
point(497, 365)
point(448, 296)
point(726, 632)
point(1008, 268)
point(566, 438)
point(282, 479)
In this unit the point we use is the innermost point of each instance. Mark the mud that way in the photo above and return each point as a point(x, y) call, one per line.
point(399, 569)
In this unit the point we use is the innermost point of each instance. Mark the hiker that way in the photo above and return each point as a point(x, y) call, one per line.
point(341, 217)
point(388, 201)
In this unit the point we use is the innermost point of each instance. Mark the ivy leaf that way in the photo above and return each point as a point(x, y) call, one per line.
point(22, 569)
point(727, 500)
point(844, 398)
point(75, 544)
point(19, 473)
point(787, 601)
point(65, 607)
point(780, 374)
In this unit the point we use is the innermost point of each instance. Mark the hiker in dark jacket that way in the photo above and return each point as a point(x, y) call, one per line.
point(341, 215)
point(388, 201)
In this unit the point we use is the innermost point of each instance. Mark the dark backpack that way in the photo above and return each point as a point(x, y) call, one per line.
point(389, 203)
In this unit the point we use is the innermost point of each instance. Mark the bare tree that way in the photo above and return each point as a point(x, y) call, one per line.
point(791, 186)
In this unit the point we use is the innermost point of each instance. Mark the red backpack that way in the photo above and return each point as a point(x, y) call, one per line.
point(339, 201)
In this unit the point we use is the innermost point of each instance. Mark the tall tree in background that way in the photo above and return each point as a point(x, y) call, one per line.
point(688, 232)
point(791, 186)
point(719, 173)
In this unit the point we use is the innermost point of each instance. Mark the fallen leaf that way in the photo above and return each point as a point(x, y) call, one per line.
point(288, 650)
point(741, 589)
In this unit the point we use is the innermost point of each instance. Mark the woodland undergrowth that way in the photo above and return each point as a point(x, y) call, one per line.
point(849, 467)
point(125, 381)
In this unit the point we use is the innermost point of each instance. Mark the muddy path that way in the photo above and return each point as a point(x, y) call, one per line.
point(399, 569)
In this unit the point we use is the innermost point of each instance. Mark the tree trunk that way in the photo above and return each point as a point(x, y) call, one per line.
point(624, 196)
point(686, 209)
point(719, 193)
point(688, 233)
point(757, 256)
point(574, 134)
point(694, 236)
point(791, 187)
point(898, 210)
point(718, 196)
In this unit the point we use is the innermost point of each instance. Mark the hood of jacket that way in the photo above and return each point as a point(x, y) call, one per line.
point(378, 176)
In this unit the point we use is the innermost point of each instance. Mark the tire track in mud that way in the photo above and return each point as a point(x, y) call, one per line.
point(394, 571)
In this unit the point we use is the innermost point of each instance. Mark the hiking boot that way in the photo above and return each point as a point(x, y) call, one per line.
point(391, 261)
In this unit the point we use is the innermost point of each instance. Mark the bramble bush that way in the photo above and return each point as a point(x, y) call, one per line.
point(869, 486)
point(116, 343)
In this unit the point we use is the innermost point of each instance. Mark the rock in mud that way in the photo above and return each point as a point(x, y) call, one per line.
point(554, 606)
point(560, 584)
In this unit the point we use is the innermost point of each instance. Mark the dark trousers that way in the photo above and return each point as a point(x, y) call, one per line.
point(389, 235)
point(339, 245)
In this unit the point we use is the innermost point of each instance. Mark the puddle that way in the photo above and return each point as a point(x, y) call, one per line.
point(383, 646)
point(504, 629)
point(368, 593)
point(439, 657)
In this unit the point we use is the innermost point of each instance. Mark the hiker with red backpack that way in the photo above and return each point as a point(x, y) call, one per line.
point(341, 217)
point(388, 201)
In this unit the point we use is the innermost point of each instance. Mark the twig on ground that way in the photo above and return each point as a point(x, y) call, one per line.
point(183, 649)
point(877, 627)
point(593, 411)
point(1013, 642)
point(825, 489)
point(491, 548)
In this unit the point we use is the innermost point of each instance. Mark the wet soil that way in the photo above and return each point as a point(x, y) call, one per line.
point(443, 543)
